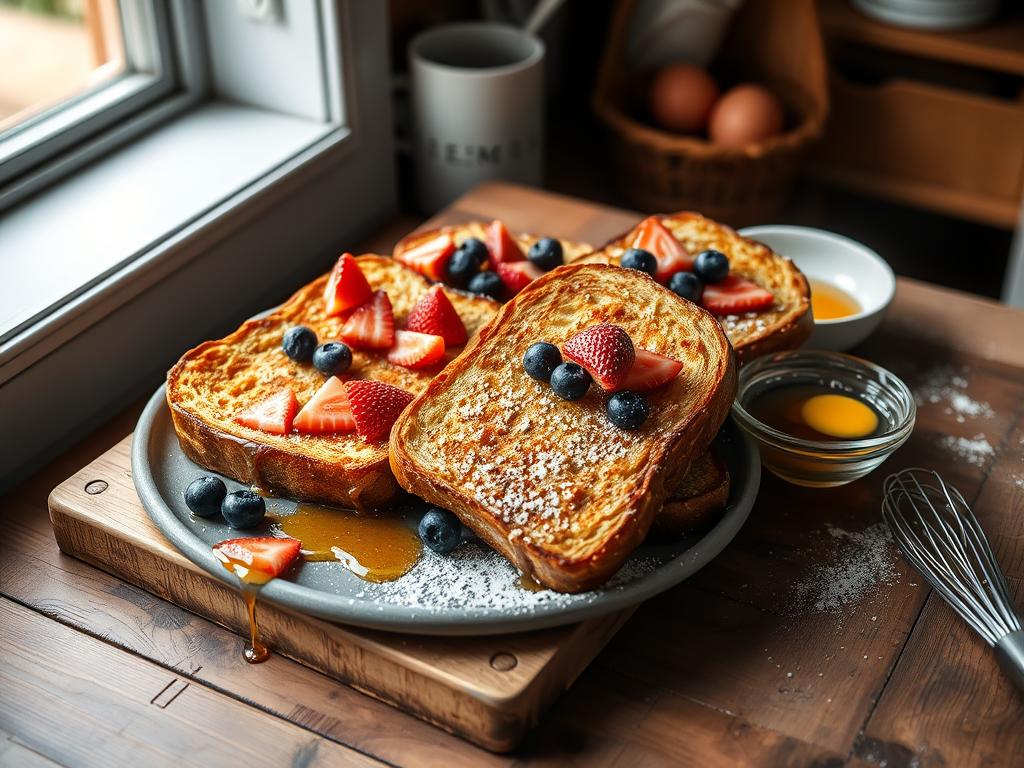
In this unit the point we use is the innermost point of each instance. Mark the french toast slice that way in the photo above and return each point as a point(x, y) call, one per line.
point(696, 500)
point(478, 229)
point(552, 484)
point(216, 380)
point(785, 325)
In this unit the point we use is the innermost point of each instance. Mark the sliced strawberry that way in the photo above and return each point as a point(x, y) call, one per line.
point(269, 555)
point(501, 245)
point(376, 407)
point(372, 326)
point(651, 235)
point(346, 287)
point(327, 411)
point(416, 350)
point(430, 258)
point(516, 275)
point(435, 314)
point(650, 370)
point(735, 294)
point(273, 414)
point(605, 350)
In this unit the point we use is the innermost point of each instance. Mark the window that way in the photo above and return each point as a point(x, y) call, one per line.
point(179, 194)
point(80, 67)
point(59, 49)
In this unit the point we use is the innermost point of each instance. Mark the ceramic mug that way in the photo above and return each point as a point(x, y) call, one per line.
point(477, 107)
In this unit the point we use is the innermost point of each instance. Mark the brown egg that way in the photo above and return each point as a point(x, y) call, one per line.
point(745, 115)
point(681, 98)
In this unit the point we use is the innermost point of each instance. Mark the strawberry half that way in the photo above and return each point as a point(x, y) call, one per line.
point(416, 350)
point(434, 314)
point(327, 411)
point(651, 235)
point(650, 370)
point(735, 294)
point(430, 258)
point(502, 246)
point(516, 275)
point(269, 555)
point(372, 326)
point(606, 351)
point(376, 407)
point(273, 414)
point(346, 287)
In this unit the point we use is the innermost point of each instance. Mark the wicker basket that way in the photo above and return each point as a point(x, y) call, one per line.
point(776, 44)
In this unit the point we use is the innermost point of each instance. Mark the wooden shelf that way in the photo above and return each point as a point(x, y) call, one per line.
point(998, 46)
point(984, 210)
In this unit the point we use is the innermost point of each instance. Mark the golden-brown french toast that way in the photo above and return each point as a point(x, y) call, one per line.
point(695, 501)
point(786, 324)
point(552, 484)
point(478, 229)
point(213, 382)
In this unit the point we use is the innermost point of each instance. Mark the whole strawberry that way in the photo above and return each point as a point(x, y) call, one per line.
point(376, 407)
point(605, 351)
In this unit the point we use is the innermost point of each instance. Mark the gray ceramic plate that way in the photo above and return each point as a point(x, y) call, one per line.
point(473, 592)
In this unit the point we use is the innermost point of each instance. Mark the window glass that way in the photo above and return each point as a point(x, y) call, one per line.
point(54, 50)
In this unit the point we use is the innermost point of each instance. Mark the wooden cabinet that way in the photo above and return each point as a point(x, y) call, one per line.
point(928, 143)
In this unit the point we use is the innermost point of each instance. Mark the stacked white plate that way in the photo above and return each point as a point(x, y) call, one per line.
point(937, 15)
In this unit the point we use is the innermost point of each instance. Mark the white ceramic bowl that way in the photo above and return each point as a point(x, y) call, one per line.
point(830, 258)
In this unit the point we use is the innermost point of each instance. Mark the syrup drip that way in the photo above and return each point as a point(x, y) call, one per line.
point(252, 580)
point(530, 584)
point(375, 548)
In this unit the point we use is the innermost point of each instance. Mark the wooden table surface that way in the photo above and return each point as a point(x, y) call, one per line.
point(804, 642)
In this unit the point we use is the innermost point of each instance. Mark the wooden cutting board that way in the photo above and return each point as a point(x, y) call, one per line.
point(489, 690)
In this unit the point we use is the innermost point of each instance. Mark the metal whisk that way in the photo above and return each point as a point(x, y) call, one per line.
point(940, 536)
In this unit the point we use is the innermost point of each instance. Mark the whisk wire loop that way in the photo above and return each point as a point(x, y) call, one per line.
point(940, 537)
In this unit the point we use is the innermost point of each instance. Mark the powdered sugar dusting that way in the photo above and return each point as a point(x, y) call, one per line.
point(536, 492)
point(860, 561)
point(947, 386)
point(975, 451)
point(475, 577)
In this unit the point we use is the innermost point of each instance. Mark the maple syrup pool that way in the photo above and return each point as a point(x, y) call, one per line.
point(375, 547)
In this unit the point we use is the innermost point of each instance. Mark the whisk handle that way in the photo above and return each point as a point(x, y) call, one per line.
point(1010, 652)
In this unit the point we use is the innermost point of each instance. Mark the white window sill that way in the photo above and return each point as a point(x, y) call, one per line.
point(64, 252)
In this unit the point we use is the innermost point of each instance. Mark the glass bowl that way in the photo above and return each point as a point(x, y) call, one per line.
point(826, 463)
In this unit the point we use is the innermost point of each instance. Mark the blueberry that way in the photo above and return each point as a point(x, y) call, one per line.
point(487, 284)
point(638, 258)
point(541, 359)
point(461, 267)
point(332, 358)
point(546, 253)
point(627, 410)
point(243, 509)
point(440, 530)
point(204, 495)
point(475, 248)
point(569, 381)
point(711, 266)
point(299, 343)
point(687, 286)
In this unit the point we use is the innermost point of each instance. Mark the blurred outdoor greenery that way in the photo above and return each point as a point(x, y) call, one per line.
point(66, 9)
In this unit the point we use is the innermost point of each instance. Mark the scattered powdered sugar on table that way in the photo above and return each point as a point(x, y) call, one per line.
point(860, 561)
point(948, 386)
point(477, 577)
point(975, 451)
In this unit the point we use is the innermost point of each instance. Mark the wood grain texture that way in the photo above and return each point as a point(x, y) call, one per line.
point(448, 681)
point(701, 675)
point(77, 701)
point(980, 722)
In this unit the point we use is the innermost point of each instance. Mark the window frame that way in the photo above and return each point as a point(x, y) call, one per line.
point(165, 74)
